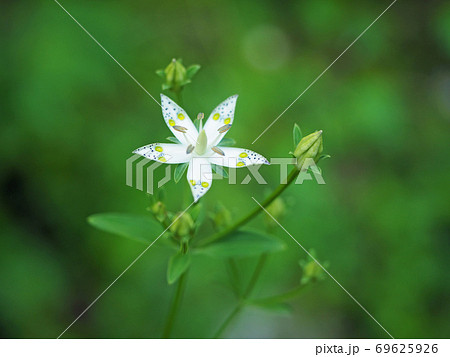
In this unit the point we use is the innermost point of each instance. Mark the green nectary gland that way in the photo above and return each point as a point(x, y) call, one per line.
point(202, 142)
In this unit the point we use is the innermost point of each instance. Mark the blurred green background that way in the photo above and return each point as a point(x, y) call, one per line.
point(70, 117)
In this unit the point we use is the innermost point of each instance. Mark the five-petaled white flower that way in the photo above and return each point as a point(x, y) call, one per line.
point(200, 148)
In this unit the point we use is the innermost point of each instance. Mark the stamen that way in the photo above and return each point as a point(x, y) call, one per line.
point(189, 149)
point(200, 117)
point(223, 128)
point(217, 150)
point(180, 128)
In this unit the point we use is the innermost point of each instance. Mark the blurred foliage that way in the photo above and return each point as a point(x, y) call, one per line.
point(70, 117)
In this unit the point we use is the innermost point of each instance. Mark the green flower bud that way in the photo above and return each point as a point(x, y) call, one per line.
point(170, 72)
point(180, 73)
point(176, 76)
point(310, 147)
point(312, 272)
point(159, 210)
point(182, 226)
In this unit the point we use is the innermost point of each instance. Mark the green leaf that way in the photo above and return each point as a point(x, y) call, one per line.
point(243, 243)
point(192, 70)
point(227, 142)
point(166, 86)
point(220, 170)
point(297, 135)
point(136, 227)
point(323, 157)
point(178, 264)
point(183, 83)
point(277, 307)
point(179, 171)
point(173, 139)
point(161, 73)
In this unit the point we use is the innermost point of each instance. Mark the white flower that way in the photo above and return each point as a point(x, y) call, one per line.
point(200, 149)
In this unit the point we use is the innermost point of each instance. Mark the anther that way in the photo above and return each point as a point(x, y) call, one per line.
point(223, 128)
point(189, 149)
point(200, 116)
point(180, 128)
point(217, 150)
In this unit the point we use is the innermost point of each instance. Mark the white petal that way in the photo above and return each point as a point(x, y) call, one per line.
point(199, 176)
point(222, 115)
point(174, 116)
point(167, 153)
point(237, 157)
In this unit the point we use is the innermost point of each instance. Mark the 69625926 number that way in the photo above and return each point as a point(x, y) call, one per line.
point(406, 348)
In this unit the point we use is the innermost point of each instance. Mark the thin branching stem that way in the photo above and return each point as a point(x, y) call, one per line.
point(176, 301)
point(215, 237)
point(288, 295)
point(242, 302)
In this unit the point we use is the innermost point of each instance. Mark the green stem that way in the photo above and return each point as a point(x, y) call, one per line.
point(251, 285)
point(179, 97)
point(258, 269)
point(288, 295)
point(227, 321)
point(181, 284)
point(291, 178)
point(182, 281)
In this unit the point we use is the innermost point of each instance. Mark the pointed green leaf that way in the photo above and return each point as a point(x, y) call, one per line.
point(178, 264)
point(179, 171)
point(136, 227)
point(161, 73)
point(173, 139)
point(183, 83)
point(323, 157)
point(243, 243)
point(297, 135)
point(192, 70)
point(227, 142)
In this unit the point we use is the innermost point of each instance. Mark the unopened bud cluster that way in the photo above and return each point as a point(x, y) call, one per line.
point(309, 147)
point(176, 76)
point(182, 226)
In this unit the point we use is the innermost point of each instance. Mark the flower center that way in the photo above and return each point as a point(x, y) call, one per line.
point(202, 143)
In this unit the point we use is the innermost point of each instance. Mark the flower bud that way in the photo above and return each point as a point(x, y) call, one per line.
point(310, 147)
point(180, 73)
point(183, 225)
point(311, 271)
point(159, 210)
point(176, 76)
